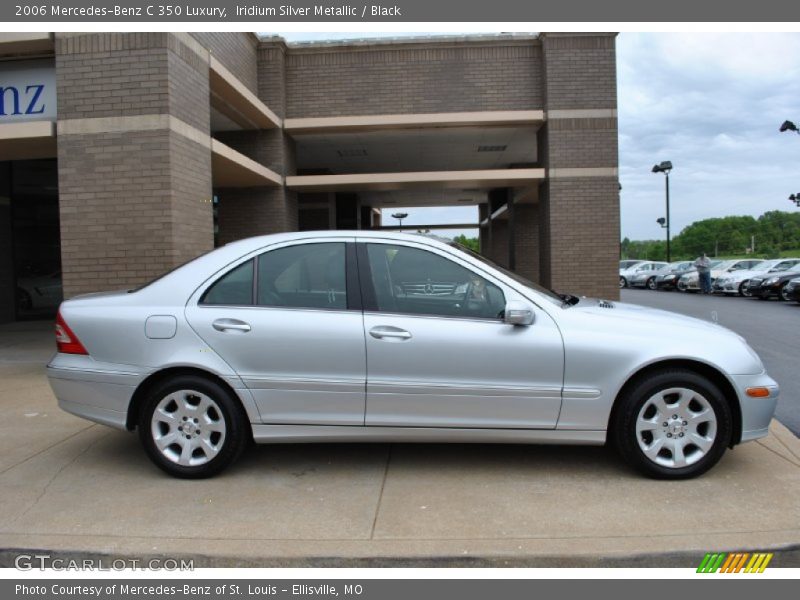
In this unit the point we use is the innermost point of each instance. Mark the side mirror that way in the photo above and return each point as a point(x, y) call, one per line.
point(518, 313)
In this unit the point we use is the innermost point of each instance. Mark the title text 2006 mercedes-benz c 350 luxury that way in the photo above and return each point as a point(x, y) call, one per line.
point(374, 336)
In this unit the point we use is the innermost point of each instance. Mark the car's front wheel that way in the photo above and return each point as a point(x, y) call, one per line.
point(672, 424)
point(743, 289)
point(784, 293)
point(623, 283)
point(192, 427)
point(651, 283)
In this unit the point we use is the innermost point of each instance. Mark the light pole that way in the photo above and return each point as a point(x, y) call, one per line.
point(796, 199)
point(400, 216)
point(665, 167)
point(788, 126)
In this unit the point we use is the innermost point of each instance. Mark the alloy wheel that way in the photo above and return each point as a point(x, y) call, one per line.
point(676, 427)
point(188, 428)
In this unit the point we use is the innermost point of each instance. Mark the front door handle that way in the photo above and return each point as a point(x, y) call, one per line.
point(389, 332)
point(231, 325)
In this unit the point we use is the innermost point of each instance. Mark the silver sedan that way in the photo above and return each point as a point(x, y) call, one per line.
point(373, 336)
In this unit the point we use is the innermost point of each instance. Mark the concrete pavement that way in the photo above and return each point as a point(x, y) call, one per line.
point(72, 487)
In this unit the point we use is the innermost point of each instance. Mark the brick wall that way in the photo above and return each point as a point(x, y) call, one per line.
point(526, 240)
point(133, 203)
point(236, 51)
point(580, 71)
point(579, 216)
point(413, 78)
point(582, 143)
point(272, 76)
point(247, 212)
point(583, 233)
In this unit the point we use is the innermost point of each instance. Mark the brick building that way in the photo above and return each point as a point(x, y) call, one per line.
point(124, 154)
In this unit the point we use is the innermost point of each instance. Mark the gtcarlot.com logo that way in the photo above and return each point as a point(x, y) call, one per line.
point(734, 562)
point(30, 562)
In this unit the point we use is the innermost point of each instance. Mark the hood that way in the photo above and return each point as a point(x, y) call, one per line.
point(646, 317)
point(742, 275)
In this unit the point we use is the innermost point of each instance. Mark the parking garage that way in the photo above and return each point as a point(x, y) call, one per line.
point(142, 150)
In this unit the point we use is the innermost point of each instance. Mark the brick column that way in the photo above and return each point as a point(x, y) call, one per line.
point(246, 212)
point(579, 202)
point(134, 163)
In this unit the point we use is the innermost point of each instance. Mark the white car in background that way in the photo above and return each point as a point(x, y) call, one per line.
point(719, 269)
point(735, 282)
point(639, 273)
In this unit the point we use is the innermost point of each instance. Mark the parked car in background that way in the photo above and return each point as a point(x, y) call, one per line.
point(771, 285)
point(735, 282)
point(349, 336)
point(690, 280)
point(627, 264)
point(39, 291)
point(667, 278)
point(639, 273)
point(793, 289)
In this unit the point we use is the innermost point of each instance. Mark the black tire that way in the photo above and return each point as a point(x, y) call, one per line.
point(623, 426)
point(651, 284)
point(236, 428)
point(623, 283)
point(784, 293)
point(743, 291)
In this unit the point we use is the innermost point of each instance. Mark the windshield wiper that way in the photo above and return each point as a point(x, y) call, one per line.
point(569, 299)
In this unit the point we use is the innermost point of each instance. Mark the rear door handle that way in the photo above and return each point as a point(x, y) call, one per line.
point(231, 325)
point(389, 332)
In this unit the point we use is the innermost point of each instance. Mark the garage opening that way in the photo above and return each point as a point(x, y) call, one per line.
point(30, 254)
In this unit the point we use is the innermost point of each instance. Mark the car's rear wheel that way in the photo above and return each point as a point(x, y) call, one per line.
point(681, 286)
point(623, 282)
point(192, 427)
point(651, 283)
point(672, 424)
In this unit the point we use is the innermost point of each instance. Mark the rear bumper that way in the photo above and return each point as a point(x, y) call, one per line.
point(97, 394)
point(756, 412)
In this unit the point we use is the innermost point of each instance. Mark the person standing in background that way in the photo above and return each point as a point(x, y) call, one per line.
point(703, 266)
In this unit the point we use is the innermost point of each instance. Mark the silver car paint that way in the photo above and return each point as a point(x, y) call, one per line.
point(600, 349)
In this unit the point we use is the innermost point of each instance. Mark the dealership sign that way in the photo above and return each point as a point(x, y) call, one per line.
point(27, 91)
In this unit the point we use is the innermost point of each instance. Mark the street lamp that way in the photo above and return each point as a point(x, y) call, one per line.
point(400, 216)
point(789, 126)
point(796, 199)
point(665, 167)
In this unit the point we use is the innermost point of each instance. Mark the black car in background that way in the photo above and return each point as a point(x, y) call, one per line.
point(771, 285)
point(792, 289)
point(669, 280)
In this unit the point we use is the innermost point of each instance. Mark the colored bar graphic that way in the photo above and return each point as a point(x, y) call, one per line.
point(735, 562)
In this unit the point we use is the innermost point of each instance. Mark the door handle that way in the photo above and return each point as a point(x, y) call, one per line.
point(389, 332)
point(231, 325)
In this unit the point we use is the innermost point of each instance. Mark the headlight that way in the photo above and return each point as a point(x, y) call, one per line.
point(771, 281)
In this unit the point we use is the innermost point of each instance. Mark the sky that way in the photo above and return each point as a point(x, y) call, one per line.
point(711, 103)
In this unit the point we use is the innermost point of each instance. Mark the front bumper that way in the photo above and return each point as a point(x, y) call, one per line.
point(756, 412)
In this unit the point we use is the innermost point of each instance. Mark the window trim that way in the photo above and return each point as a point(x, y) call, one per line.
point(352, 282)
point(370, 302)
point(254, 261)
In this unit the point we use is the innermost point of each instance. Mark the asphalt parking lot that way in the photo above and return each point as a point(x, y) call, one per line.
point(769, 326)
point(71, 489)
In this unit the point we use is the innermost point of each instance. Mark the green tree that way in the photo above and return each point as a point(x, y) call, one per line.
point(472, 243)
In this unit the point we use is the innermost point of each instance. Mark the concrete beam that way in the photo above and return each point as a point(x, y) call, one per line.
point(487, 178)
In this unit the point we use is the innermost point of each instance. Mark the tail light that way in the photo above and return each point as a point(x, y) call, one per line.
point(66, 341)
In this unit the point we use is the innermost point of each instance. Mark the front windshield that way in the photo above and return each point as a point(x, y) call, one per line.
point(766, 265)
point(726, 264)
point(549, 294)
